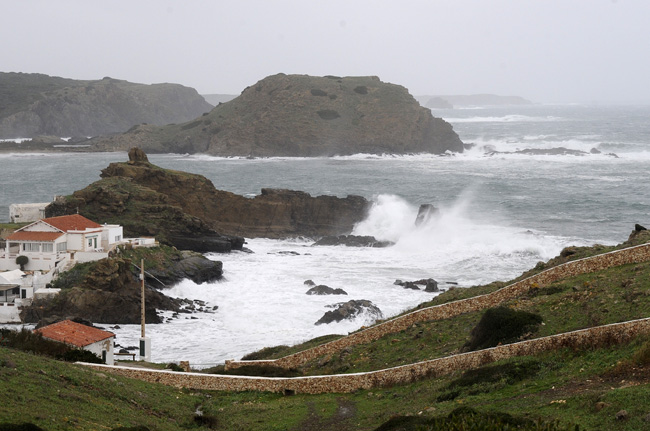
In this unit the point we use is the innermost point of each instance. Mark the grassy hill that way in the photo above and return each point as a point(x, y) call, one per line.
point(602, 388)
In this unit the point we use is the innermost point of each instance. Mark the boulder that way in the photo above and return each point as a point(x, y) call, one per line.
point(430, 285)
point(352, 241)
point(349, 310)
point(321, 289)
point(425, 213)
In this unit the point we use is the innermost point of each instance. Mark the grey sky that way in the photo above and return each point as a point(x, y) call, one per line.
point(544, 50)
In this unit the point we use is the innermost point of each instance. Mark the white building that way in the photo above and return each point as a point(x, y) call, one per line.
point(58, 241)
point(24, 213)
point(74, 334)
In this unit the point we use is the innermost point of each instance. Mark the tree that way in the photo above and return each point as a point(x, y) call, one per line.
point(22, 261)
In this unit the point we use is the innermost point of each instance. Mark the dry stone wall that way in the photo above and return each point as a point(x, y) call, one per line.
point(342, 383)
point(636, 254)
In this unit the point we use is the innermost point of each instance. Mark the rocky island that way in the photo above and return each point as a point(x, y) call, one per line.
point(187, 211)
point(33, 105)
point(302, 116)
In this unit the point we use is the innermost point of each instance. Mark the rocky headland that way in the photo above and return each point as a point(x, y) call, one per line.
point(36, 104)
point(302, 116)
point(187, 211)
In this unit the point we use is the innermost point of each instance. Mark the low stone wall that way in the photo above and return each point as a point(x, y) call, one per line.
point(636, 254)
point(342, 383)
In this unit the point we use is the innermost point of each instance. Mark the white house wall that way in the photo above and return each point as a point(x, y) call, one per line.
point(101, 346)
point(21, 213)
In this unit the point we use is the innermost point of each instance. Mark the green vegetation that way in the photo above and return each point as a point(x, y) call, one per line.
point(501, 325)
point(22, 260)
point(31, 342)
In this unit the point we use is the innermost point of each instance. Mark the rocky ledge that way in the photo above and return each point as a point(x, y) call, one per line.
point(187, 211)
point(302, 116)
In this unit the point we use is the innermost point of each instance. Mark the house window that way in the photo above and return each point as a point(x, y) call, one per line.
point(31, 247)
point(62, 246)
point(48, 247)
point(118, 238)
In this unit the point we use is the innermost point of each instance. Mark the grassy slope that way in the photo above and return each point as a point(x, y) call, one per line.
point(587, 388)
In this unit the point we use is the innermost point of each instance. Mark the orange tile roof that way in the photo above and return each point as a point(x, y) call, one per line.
point(71, 222)
point(34, 236)
point(73, 333)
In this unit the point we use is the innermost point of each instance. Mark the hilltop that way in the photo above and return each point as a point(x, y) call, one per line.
point(35, 104)
point(302, 116)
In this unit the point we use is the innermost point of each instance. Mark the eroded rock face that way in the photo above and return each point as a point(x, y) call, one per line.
point(187, 211)
point(305, 116)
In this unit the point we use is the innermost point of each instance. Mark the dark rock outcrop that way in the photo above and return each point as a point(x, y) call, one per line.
point(321, 289)
point(425, 213)
point(302, 116)
point(186, 210)
point(108, 294)
point(191, 265)
point(430, 285)
point(352, 241)
point(36, 104)
point(349, 310)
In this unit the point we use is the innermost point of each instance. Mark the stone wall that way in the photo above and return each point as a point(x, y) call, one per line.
point(636, 254)
point(342, 383)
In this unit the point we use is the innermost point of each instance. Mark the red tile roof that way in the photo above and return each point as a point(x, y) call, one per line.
point(34, 236)
point(71, 222)
point(73, 333)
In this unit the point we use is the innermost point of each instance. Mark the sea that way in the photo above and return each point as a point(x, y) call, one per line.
point(500, 211)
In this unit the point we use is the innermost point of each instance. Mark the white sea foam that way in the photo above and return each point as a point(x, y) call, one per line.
point(512, 118)
point(262, 300)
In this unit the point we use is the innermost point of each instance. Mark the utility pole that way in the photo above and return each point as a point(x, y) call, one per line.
point(142, 312)
point(145, 343)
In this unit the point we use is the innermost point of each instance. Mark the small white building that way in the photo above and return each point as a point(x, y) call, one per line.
point(24, 213)
point(53, 242)
point(75, 334)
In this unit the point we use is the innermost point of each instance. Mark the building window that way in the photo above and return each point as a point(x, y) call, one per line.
point(48, 247)
point(62, 246)
point(118, 238)
point(32, 247)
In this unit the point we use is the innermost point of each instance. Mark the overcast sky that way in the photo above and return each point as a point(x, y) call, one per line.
point(544, 50)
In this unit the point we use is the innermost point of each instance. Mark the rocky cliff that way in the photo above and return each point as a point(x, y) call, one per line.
point(178, 207)
point(35, 104)
point(305, 116)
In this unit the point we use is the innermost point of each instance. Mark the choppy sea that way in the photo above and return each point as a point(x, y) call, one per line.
point(499, 214)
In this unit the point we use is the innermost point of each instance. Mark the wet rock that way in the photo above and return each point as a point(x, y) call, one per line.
point(349, 310)
point(353, 241)
point(325, 290)
point(309, 283)
point(425, 213)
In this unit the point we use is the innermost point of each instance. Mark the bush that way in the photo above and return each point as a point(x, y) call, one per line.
point(32, 342)
point(328, 114)
point(361, 89)
point(501, 325)
point(317, 92)
point(466, 418)
point(22, 261)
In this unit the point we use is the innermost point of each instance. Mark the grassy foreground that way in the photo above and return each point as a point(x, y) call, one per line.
point(603, 388)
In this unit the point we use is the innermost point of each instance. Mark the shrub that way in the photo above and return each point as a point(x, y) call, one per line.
point(29, 341)
point(361, 89)
point(317, 92)
point(22, 260)
point(328, 114)
point(501, 325)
